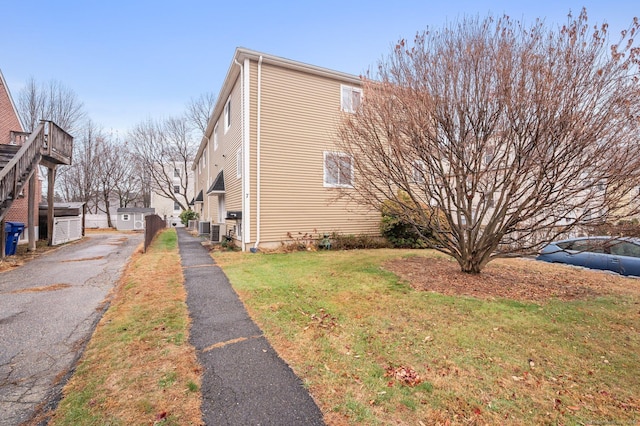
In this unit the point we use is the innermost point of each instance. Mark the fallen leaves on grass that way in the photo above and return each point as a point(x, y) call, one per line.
point(403, 374)
point(322, 319)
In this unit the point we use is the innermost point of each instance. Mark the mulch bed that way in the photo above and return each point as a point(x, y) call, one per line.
point(516, 279)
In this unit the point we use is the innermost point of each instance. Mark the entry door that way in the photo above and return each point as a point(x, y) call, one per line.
point(222, 211)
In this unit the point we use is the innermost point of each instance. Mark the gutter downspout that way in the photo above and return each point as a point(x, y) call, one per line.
point(242, 139)
point(207, 181)
point(258, 187)
point(245, 93)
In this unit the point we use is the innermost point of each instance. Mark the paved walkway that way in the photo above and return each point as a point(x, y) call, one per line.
point(49, 308)
point(244, 381)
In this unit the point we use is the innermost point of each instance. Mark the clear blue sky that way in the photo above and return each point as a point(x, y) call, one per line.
point(129, 60)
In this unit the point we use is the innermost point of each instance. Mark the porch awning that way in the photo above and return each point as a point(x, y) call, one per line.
point(217, 187)
point(199, 198)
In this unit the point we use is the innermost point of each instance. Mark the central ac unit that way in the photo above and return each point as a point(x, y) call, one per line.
point(218, 231)
point(204, 227)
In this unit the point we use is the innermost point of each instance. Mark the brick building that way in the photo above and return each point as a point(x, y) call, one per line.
point(10, 121)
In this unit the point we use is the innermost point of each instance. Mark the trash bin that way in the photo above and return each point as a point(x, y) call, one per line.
point(12, 231)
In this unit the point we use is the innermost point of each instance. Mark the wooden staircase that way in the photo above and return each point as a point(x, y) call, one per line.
point(48, 144)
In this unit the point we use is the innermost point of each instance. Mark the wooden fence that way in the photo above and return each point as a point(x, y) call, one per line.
point(153, 224)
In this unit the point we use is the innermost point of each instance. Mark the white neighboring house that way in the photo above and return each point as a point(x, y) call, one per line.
point(166, 207)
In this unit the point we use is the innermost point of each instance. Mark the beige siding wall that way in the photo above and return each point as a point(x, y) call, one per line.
point(300, 113)
point(224, 159)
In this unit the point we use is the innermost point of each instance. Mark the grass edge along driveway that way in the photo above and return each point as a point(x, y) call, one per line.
point(138, 367)
point(372, 350)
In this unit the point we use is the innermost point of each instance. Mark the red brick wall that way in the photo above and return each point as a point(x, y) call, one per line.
point(19, 211)
point(8, 118)
point(8, 122)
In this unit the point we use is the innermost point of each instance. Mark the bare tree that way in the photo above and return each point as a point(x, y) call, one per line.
point(491, 137)
point(128, 184)
point(52, 101)
point(79, 181)
point(199, 110)
point(110, 172)
point(166, 150)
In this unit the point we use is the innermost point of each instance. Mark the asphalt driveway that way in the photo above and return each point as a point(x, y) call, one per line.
point(49, 308)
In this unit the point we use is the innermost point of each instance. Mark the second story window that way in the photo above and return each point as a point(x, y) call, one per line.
point(215, 137)
point(176, 189)
point(227, 115)
point(176, 173)
point(351, 98)
point(418, 171)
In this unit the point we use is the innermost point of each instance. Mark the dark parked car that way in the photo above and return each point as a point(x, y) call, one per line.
point(621, 255)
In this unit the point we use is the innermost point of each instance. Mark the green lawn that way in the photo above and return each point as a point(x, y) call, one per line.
point(356, 335)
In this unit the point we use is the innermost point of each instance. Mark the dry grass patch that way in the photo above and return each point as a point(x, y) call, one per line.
point(52, 287)
point(23, 255)
point(138, 367)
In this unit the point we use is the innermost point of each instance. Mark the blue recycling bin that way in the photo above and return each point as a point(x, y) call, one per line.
point(12, 231)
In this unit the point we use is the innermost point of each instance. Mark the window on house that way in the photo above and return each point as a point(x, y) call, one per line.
point(351, 98)
point(338, 170)
point(125, 217)
point(176, 205)
point(490, 201)
point(488, 155)
point(176, 189)
point(227, 115)
point(239, 163)
point(176, 173)
point(418, 171)
point(215, 137)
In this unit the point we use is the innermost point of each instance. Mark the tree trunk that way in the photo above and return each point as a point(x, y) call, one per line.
point(470, 267)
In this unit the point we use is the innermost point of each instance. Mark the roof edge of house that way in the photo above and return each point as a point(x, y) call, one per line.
point(239, 56)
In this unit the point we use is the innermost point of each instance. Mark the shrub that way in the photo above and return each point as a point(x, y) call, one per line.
point(316, 241)
point(188, 215)
point(352, 242)
point(400, 232)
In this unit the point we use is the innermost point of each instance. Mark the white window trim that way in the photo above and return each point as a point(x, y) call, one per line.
point(126, 217)
point(239, 163)
point(417, 172)
point(325, 175)
point(215, 137)
point(346, 105)
point(227, 115)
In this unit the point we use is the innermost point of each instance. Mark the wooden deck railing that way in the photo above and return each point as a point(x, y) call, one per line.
point(58, 144)
point(46, 140)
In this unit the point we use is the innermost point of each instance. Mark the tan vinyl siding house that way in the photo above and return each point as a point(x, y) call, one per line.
point(271, 143)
